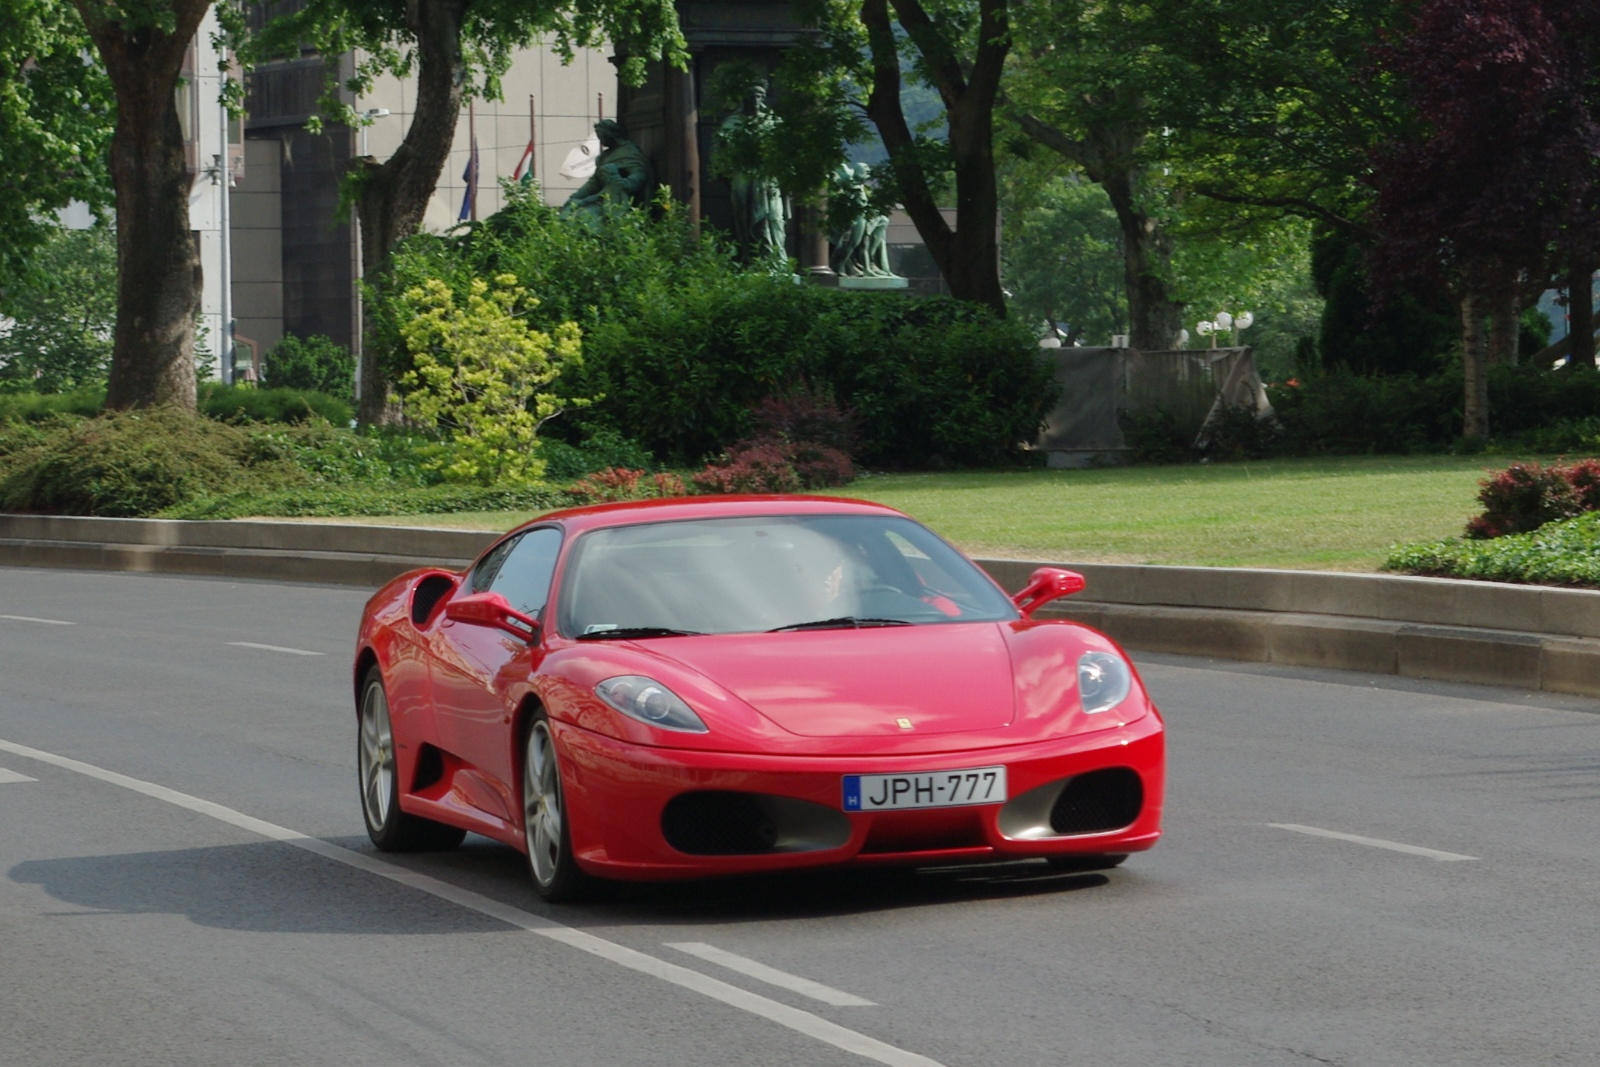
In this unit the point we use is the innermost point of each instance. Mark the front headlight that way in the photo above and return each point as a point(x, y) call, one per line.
point(1104, 681)
point(650, 702)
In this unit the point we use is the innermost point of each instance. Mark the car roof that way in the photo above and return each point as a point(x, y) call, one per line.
point(635, 512)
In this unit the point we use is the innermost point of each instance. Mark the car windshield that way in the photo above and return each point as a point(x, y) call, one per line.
point(768, 573)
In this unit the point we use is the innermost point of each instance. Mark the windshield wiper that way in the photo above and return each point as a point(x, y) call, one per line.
point(843, 622)
point(623, 633)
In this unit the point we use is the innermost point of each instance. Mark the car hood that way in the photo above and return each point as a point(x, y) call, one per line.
point(872, 682)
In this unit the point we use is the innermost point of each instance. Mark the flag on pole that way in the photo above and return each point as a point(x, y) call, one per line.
point(527, 155)
point(469, 202)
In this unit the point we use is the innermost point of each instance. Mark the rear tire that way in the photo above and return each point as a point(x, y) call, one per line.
point(545, 826)
point(391, 829)
point(1082, 864)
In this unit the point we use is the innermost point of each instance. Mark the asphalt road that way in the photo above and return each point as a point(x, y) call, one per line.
point(186, 881)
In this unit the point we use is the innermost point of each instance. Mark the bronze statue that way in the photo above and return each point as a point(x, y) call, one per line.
point(622, 175)
point(760, 212)
point(860, 248)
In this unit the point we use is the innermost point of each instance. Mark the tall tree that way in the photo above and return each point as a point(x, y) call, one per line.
point(455, 49)
point(1497, 184)
point(1086, 87)
point(960, 49)
point(142, 44)
point(56, 119)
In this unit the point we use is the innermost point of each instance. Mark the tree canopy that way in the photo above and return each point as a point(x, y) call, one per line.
point(56, 119)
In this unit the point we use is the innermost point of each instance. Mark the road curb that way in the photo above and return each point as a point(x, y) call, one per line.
point(1528, 637)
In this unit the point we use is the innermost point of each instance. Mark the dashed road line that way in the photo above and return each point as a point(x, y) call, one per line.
point(1374, 842)
point(275, 648)
point(802, 1022)
point(42, 622)
point(771, 975)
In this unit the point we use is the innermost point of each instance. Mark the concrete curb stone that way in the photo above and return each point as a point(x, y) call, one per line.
point(1530, 637)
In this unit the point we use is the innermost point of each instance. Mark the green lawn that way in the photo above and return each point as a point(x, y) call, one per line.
point(1323, 514)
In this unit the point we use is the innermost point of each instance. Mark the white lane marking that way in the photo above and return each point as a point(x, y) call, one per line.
point(275, 648)
point(771, 975)
point(1375, 842)
point(802, 1022)
point(8, 777)
point(44, 622)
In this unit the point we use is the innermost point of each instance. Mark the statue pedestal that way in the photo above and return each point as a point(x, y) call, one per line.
point(847, 282)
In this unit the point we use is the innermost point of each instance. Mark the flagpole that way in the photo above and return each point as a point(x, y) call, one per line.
point(472, 129)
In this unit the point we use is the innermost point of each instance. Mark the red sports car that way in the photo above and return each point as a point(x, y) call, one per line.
point(683, 688)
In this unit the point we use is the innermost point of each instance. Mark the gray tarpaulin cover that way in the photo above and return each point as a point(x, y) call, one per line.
point(1191, 385)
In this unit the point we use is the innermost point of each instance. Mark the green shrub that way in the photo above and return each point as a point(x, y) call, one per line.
point(241, 403)
point(602, 450)
point(680, 342)
point(313, 363)
point(135, 463)
point(1559, 553)
point(38, 407)
point(333, 501)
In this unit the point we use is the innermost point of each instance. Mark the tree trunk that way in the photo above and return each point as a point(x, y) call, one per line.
point(392, 197)
point(1580, 316)
point(1474, 364)
point(1108, 155)
point(1154, 317)
point(158, 262)
point(968, 256)
point(1504, 328)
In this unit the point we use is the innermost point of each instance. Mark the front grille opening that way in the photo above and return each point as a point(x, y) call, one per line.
point(718, 824)
point(724, 823)
point(1098, 801)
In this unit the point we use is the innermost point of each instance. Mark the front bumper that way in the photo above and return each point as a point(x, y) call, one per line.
point(638, 812)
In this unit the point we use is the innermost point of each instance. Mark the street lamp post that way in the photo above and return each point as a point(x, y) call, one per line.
point(1225, 323)
point(367, 118)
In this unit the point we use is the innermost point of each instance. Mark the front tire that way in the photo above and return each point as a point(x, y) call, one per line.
point(391, 829)
point(545, 827)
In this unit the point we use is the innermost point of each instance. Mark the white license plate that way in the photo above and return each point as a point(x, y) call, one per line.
point(935, 789)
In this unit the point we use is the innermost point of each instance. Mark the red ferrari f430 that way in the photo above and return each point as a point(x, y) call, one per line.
point(688, 688)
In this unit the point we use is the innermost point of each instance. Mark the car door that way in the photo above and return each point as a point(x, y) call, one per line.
point(477, 669)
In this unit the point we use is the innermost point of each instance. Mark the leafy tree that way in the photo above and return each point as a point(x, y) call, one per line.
point(960, 49)
point(1500, 179)
point(1062, 255)
point(63, 314)
point(56, 118)
point(455, 49)
point(315, 363)
point(477, 372)
point(1086, 87)
point(142, 44)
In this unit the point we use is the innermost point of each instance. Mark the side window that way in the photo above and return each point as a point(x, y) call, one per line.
point(522, 573)
point(490, 565)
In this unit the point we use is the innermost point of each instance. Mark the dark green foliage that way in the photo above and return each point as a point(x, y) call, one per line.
point(314, 363)
point(135, 463)
point(39, 407)
point(1153, 436)
point(332, 501)
point(680, 343)
point(602, 450)
point(1566, 552)
point(245, 404)
point(1404, 333)
point(64, 309)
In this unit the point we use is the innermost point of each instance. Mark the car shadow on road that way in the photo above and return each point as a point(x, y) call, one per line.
point(805, 894)
point(264, 886)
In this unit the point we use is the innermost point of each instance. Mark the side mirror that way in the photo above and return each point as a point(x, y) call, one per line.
point(1047, 584)
point(492, 609)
